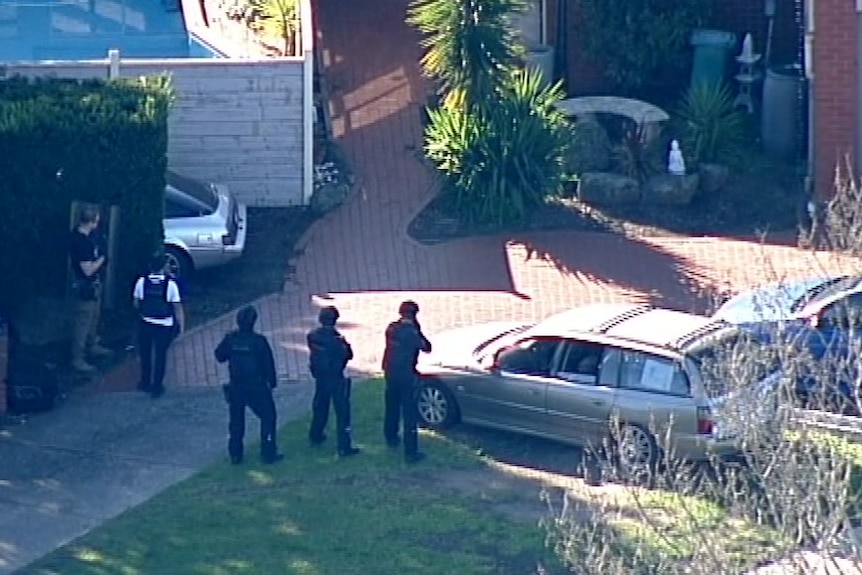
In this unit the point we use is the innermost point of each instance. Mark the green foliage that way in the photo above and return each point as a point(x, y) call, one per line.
point(63, 141)
point(589, 148)
point(278, 19)
point(639, 43)
point(501, 162)
point(470, 45)
point(711, 128)
point(637, 156)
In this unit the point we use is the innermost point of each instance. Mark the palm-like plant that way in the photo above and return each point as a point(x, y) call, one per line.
point(710, 125)
point(470, 46)
point(501, 162)
point(279, 19)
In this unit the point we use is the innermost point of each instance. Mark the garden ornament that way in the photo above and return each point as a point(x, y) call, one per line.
point(675, 161)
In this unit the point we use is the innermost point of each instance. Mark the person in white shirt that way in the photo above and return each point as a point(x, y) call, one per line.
point(157, 299)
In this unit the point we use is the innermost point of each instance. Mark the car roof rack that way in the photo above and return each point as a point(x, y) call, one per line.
point(618, 319)
point(692, 336)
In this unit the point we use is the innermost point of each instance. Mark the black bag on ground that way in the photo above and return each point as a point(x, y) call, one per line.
point(32, 385)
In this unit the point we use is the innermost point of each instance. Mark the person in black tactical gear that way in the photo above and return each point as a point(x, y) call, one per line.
point(404, 341)
point(252, 379)
point(329, 353)
point(157, 299)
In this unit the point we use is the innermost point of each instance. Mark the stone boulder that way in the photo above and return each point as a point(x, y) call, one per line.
point(668, 190)
point(607, 189)
point(713, 177)
point(589, 148)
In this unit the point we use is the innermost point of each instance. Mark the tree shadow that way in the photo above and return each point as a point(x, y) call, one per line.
point(643, 271)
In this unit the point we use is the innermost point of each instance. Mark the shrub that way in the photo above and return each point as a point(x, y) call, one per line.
point(641, 42)
point(95, 141)
point(500, 163)
point(711, 128)
point(589, 148)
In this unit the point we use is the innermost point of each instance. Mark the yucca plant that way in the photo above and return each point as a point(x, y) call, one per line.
point(502, 161)
point(470, 46)
point(711, 128)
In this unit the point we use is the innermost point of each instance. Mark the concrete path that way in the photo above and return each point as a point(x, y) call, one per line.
point(64, 472)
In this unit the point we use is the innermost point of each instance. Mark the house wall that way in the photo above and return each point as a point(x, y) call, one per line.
point(237, 122)
point(836, 90)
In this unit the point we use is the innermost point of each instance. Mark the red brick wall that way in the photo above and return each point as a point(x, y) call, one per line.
point(835, 89)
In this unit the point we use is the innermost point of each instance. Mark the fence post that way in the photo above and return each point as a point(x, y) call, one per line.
point(113, 64)
point(308, 111)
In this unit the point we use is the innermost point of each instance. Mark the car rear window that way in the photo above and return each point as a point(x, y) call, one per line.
point(203, 193)
point(733, 360)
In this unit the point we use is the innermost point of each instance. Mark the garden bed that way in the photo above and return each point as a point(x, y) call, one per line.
point(764, 197)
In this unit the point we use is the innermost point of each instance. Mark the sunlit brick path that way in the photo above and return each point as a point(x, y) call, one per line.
point(361, 259)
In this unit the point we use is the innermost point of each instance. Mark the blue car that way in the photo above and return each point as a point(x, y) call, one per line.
point(817, 320)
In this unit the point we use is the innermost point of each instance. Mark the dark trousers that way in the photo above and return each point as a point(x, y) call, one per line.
point(335, 391)
point(260, 401)
point(400, 401)
point(153, 343)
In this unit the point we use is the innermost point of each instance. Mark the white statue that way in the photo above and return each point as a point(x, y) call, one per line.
point(675, 161)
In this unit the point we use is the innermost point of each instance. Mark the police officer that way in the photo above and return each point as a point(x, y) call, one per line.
point(329, 353)
point(404, 341)
point(157, 299)
point(252, 379)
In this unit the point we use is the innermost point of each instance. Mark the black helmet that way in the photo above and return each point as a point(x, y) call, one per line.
point(408, 308)
point(328, 315)
point(246, 318)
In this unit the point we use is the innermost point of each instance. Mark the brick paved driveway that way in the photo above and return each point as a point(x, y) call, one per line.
point(361, 259)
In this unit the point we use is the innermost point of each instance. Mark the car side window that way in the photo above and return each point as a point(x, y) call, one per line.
point(580, 362)
point(645, 372)
point(176, 209)
point(533, 356)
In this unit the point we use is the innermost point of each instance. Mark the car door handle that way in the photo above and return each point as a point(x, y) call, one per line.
point(535, 391)
point(598, 402)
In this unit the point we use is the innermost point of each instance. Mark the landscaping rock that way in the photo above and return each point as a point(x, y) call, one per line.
point(589, 149)
point(713, 177)
point(607, 189)
point(669, 190)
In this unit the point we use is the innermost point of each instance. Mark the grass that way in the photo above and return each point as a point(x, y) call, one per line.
point(314, 515)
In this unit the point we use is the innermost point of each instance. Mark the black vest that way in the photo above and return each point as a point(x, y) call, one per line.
point(155, 302)
point(243, 361)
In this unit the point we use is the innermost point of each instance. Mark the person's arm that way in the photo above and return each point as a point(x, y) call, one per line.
point(90, 268)
point(268, 363)
point(175, 300)
point(222, 350)
point(180, 316)
point(348, 349)
point(138, 293)
point(422, 343)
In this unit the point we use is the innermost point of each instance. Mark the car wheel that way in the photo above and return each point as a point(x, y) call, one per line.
point(436, 405)
point(179, 263)
point(637, 453)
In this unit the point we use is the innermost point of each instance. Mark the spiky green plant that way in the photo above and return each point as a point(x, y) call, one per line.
point(711, 127)
point(470, 45)
point(500, 162)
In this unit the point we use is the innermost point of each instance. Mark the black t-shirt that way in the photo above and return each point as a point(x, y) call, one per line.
point(82, 248)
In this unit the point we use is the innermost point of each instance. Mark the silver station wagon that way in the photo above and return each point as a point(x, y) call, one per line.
point(205, 225)
point(579, 374)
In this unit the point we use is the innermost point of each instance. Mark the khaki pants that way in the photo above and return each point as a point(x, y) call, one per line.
point(85, 325)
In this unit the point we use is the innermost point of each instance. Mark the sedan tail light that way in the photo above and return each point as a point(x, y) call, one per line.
point(233, 223)
point(705, 423)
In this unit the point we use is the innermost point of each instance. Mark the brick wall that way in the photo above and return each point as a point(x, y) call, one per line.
point(236, 122)
point(835, 89)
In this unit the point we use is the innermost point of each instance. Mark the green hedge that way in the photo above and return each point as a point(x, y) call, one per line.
point(61, 141)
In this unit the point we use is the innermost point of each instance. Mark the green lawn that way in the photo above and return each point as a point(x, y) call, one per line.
point(314, 514)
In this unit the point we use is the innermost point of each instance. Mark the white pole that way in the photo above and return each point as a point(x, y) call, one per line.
point(113, 64)
point(307, 32)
